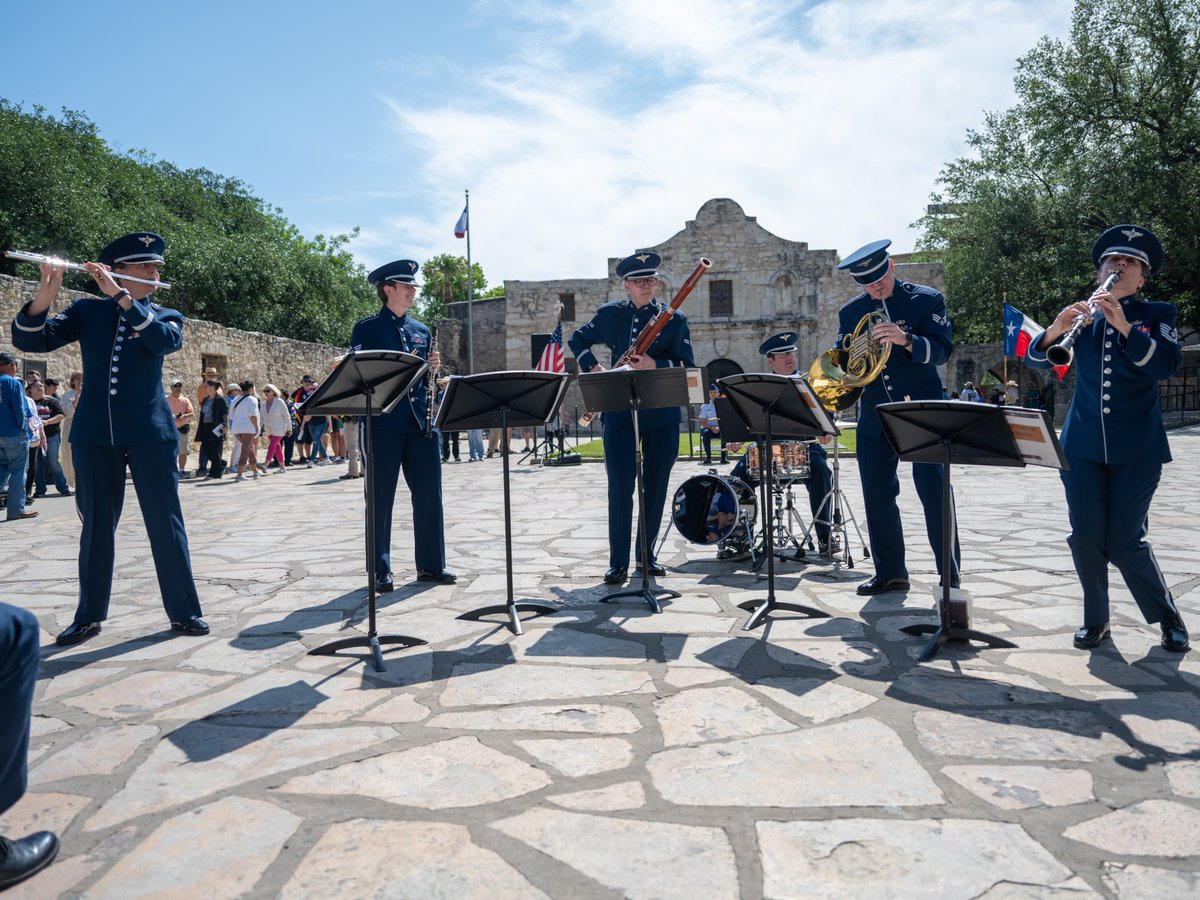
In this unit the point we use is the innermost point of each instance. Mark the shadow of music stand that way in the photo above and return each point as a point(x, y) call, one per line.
point(503, 400)
point(631, 390)
point(977, 434)
point(775, 406)
point(366, 383)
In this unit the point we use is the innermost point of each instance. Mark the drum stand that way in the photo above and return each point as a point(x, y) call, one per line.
point(781, 534)
point(835, 502)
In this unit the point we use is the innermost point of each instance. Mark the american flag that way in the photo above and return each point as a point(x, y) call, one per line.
point(460, 227)
point(552, 357)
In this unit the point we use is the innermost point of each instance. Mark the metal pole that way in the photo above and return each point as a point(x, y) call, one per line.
point(470, 296)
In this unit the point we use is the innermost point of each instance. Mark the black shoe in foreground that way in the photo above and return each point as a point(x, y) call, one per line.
point(1174, 634)
point(616, 575)
point(193, 625)
point(21, 858)
point(442, 577)
point(877, 585)
point(1091, 636)
point(654, 569)
point(383, 583)
point(77, 633)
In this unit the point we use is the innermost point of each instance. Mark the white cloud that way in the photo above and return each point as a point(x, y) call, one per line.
point(606, 126)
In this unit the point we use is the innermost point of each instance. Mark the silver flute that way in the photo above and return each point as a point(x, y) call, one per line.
point(55, 261)
point(1062, 352)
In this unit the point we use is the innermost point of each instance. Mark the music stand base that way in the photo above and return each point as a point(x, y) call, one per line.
point(760, 609)
point(512, 609)
point(649, 594)
point(371, 641)
point(943, 633)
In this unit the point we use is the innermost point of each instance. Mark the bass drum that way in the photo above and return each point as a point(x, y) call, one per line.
point(708, 508)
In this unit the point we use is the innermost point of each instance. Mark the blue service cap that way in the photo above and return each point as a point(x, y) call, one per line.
point(868, 264)
point(778, 343)
point(1129, 240)
point(643, 264)
point(713, 387)
point(404, 271)
point(132, 249)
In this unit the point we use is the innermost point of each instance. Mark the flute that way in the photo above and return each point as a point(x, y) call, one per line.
point(55, 261)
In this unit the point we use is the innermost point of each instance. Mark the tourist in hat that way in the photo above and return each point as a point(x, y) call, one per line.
point(184, 412)
point(710, 427)
point(122, 423)
point(1113, 435)
point(616, 325)
point(918, 329)
point(401, 439)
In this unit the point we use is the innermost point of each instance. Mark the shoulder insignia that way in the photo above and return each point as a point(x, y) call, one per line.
point(1169, 333)
point(941, 320)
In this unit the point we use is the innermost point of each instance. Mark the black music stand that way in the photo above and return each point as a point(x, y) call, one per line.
point(350, 390)
point(772, 406)
point(503, 400)
point(979, 434)
point(631, 390)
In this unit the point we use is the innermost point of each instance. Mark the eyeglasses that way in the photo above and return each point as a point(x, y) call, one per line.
point(643, 282)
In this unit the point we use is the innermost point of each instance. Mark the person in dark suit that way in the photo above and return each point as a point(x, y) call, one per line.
point(122, 423)
point(210, 428)
point(918, 329)
point(19, 859)
point(616, 325)
point(1113, 435)
point(399, 438)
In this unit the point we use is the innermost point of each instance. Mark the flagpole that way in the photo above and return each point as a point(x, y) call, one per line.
point(470, 296)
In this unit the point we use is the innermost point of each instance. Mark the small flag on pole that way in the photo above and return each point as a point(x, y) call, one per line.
point(1019, 332)
point(460, 227)
point(552, 356)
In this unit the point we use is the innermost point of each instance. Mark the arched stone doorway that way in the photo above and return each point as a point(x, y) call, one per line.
point(719, 368)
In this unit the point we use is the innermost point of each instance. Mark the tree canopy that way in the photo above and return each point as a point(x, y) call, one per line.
point(443, 281)
point(1106, 131)
point(231, 257)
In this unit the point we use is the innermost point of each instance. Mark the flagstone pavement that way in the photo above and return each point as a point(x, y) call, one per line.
point(607, 751)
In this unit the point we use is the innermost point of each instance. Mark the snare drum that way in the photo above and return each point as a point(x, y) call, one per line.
point(789, 461)
point(708, 508)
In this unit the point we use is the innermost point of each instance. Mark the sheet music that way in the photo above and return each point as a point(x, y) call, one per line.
point(1035, 441)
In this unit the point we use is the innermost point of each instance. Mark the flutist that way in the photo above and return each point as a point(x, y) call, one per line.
point(1113, 436)
point(616, 325)
point(404, 439)
point(122, 422)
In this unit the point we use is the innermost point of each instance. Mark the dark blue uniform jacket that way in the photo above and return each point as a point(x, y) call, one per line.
point(387, 331)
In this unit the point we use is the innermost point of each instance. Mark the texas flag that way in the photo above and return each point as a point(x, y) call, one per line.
point(1019, 332)
point(460, 227)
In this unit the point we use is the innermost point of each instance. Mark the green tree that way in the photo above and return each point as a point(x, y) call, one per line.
point(1106, 130)
point(444, 281)
point(231, 258)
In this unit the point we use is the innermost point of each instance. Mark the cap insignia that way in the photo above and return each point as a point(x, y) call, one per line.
point(642, 258)
point(1132, 234)
point(146, 239)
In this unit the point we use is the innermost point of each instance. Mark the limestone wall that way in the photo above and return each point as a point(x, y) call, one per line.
point(235, 354)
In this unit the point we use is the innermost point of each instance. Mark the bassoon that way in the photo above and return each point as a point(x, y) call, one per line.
point(647, 335)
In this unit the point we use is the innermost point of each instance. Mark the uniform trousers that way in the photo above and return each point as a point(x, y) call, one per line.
point(877, 466)
point(18, 677)
point(818, 485)
point(100, 497)
point(660, 447)
point(1108, 507)
point(420, 457)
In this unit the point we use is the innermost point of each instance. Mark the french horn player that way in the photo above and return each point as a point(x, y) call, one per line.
point(891, 339)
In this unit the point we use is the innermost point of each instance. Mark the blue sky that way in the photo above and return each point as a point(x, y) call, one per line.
point(584, 129)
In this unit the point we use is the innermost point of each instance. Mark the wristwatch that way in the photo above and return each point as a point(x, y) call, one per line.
point(908, 340)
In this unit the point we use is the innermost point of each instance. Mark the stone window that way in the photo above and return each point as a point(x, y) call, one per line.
point(568, 306)
point(720, 298)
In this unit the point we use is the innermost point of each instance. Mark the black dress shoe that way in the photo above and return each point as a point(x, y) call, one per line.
point(440, 577)
point(383, 583)
point(1174, 634)
point(1091, 636)
point(193, 625)
point(877, 585)
point(24, 857)
point(654, 569)
point(953, 581)
point(77, 633)
point(616, 575)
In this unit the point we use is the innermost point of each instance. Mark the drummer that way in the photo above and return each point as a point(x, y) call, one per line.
point(780, 351)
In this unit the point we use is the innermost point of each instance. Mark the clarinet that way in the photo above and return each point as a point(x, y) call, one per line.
point(431, 378)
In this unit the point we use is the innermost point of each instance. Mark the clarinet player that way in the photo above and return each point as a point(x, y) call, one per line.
point(404, 439)
point(1113, 435)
